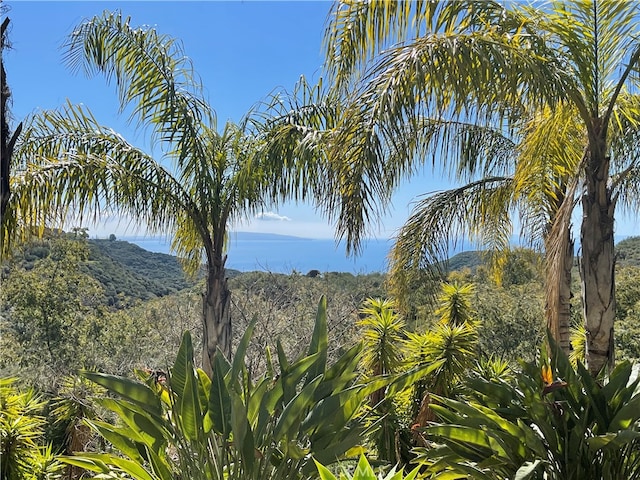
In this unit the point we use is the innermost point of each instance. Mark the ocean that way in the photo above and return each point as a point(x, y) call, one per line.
point(286, 254)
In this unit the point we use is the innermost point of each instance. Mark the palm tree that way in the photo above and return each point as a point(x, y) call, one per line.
point(487, 64)
point(529, 183)
point(75, 165)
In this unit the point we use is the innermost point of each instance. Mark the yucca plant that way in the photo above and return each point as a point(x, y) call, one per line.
point(230, 426)
point(382, 330)
point(552, 422)
point(23, 455)
point(364, 471)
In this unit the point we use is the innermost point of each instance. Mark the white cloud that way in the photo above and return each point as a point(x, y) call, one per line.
point(272, 217)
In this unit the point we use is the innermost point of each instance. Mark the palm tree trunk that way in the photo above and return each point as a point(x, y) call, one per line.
point(8, 140)
point(598, 262)
point(216, 315)
point(558, 293)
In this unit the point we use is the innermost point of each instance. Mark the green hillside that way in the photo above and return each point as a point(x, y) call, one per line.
point(628, 252)
point(126, 270)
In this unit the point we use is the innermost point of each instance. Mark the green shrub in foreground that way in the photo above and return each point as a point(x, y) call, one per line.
point(228, 427)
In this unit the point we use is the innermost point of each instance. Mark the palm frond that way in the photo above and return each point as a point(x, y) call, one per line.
point(76, 167)
point(152, 74)
point(478, 211)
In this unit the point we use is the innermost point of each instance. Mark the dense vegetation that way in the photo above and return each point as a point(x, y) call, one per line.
point(73, 325)
point(488, 366)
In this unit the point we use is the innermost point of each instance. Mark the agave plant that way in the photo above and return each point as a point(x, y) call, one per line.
point(553, 422)
point(364, 471)
point(230, 426)
point(22, 451)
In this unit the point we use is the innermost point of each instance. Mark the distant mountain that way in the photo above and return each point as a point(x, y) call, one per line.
point(255, 236)
point(462, 260)
point(126, 270)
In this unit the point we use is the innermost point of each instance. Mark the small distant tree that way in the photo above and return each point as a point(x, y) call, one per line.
point(112, 238)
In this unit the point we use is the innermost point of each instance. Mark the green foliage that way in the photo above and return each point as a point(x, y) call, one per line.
point(628, 252)
point(230, 426)
point(512, 320)
point(627, 326)
point(48, 311)
point(550, 422)
point(22, 451)
point(455, 304)
point(129, 273)
point(382, 331)
point(364, 471)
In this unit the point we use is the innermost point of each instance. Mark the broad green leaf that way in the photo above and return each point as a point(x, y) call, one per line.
point(242, 434)
point(144, 428)
point(294, 373)
point(256, 399)
point(136, 392)
point(291, 416)
point(319, 341)
point(470, 437)
point(159, 466)
point(219, 410)
point(190, 415)
point(612, 441)
point(99, 462)
point(238, 358)
point(183, 365)
point(86, 462)
point(617, 380)
point(119, 437)
point(528, 470)
point(626, 416)
point(409, 378)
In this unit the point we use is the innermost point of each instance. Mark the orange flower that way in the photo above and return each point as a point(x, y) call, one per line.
point(547, 375)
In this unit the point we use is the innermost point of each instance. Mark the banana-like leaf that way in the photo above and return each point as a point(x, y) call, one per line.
point(242, 434)
point(238, 358)
point(159, 466)
point(528, 470)
point(293, 412)
point(119, 437)
point(613, 441)
point(204, 387)
point(330, 413)
point(97, 462)
point(128, 389)
point(144, 428)
point(257, 397)
point(319, 342)
point(219, 411)
point(293, 374)
point(628, 415)
point(190, 413)
point(183, 365)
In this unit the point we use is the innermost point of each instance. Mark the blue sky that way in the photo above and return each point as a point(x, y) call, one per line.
point(242, 50)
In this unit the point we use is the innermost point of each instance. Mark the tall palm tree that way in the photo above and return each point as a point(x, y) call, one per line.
point(74, 165)
point(487, 63)
point(529, 185)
